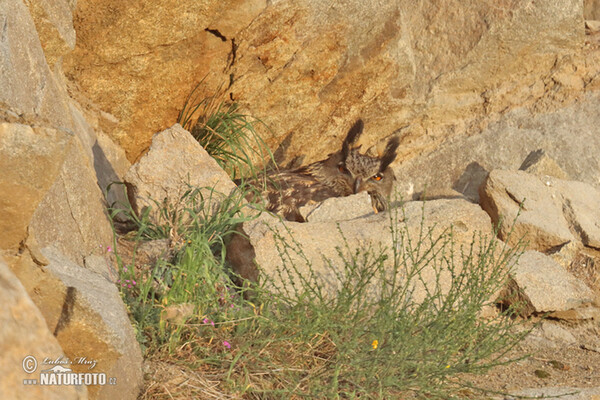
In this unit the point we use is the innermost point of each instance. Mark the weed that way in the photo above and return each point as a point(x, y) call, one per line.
point(385, 332)
point(228, 135)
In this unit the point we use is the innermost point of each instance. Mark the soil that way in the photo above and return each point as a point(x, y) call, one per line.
point(561, 355)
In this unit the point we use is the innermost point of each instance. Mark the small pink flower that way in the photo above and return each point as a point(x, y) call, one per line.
point(109, 249)
point(124, 285)
point(226, 344)
point(208, 321)
point(129, 286)
point(134, 282)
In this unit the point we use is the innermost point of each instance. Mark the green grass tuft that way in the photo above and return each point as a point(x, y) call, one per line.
point(227, 134)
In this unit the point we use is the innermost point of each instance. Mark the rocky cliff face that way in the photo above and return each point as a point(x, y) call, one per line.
point(54, 165)
point(85, 84)
point(307, 68)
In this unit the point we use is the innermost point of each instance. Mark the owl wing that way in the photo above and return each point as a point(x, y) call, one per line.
point(285, 192)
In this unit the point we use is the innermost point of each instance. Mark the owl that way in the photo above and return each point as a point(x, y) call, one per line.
point(343, 173)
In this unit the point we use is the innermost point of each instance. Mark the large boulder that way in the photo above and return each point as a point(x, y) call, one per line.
point(175, 163)
point(85, 313)
point(140, 71)
point(307, 67)
point(29, 91)
point(25, 342)
point(23, 183)
point(506, 194)
point(289, 252)
point(553, 212)
point(463, 163)
point(72, 215)
point(543, 286)
point(54, 23)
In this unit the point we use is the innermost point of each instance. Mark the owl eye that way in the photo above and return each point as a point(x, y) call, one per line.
point(342, 168)
point(377, 177)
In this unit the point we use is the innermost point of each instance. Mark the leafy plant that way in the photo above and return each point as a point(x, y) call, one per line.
point(228, 135)
point(372, 338)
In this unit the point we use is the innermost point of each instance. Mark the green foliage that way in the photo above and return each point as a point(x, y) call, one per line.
point(382, 334)
point(228, 135)
point(191, 283)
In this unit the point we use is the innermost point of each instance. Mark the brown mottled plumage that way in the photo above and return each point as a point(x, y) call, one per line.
point(343, 173)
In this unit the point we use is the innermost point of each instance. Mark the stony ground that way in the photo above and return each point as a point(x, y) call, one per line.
point(561, 355)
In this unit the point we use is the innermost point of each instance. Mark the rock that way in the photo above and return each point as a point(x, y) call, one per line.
point(566, 254)
point(24, 184)
point(593, 26)
point(464, 162)
point(541, 222)
point(314, 242)
point(339, 208)
point(554, 213)
point(591, 9)
point(544, 286)
point(550, 334)
point(29, 91)
point(103, 266)
point(174, 161)
point(23, 334)
point(116, 49)
point(111, 165)
point(87, 316)
point(582, 208)
point(54, 23)
point(540, 164)
point(587, 312)
point(72, 216)
point(305, 67)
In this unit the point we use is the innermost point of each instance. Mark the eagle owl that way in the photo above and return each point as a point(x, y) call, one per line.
point(343, 173)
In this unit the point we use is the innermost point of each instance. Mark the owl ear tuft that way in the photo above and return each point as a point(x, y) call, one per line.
point(352, 136)
point(389, 154)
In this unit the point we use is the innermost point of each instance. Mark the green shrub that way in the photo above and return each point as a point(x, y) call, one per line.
point(301, 342)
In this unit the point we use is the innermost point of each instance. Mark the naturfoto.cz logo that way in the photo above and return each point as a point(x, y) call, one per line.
point(59, 374)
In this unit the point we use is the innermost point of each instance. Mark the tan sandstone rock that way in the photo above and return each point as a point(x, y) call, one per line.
point(54, 23)
point(540, 164)
point(29, 91)
point(545, 286)
point(582, 208)
point(174, 163)
point(555, 212)
point(541, 221)
point(23, 183)
point(318, 246)
point(72, 215)
point(25, 341)
point(338, 208)
point(154, 61)
point(308, 67)
point(85, 313)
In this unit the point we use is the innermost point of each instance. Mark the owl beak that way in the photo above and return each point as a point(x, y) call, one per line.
point(357, 185)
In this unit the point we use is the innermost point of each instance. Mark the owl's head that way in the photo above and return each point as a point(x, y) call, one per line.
point(363, 172)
